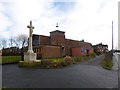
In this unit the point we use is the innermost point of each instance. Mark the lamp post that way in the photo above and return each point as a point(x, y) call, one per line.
point(112, 37)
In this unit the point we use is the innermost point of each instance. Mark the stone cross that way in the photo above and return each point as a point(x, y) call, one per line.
point(30, 50)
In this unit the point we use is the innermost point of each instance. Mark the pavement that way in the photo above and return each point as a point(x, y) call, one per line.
point(118, 70)
point(115, 61)
point(82, 75)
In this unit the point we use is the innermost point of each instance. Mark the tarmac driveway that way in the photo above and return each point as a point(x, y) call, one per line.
point(76, 76)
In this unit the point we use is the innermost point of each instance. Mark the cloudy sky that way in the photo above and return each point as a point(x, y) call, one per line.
point(90, 20)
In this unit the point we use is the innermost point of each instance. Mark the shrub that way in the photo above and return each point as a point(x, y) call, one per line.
point(56, 65)
point(68, 60)
point(75, 59)
point(57, 60)
point(98, 53)
point(107, 64)
point(46, 63)
point(78, 59)
point(93, 54)
point(52, 63)
point(85, 57)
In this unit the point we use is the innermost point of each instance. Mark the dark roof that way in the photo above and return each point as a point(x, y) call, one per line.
point(100, 44)
point(39, 35)
point(57, 31)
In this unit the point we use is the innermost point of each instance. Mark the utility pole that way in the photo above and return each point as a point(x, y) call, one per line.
point(112, 36)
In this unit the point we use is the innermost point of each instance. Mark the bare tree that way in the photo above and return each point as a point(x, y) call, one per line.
point(22, 40)
point(4, 43)
point(16, 42)
point(11, 41)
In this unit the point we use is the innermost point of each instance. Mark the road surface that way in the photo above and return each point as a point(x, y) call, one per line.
point(83, 75)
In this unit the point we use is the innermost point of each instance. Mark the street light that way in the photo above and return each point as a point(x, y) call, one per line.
point(112, 38)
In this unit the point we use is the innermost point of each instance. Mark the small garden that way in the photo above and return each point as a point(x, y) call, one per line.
point(56, 62)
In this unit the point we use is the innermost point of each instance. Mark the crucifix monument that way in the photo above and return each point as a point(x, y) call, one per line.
point(30, 37)
point(30, 55)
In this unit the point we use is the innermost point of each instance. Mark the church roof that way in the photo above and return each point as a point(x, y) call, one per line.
point(57, 31)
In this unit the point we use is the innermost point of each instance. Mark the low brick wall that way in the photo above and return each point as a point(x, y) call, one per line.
point(51, 51)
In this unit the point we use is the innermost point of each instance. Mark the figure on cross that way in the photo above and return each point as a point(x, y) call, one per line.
point(31, 29)
point(30, 37)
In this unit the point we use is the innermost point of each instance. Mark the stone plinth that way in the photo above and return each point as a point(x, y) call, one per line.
point(29, 56)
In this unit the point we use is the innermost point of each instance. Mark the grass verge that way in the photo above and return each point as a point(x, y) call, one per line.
point(107, 64)
point(10, 59)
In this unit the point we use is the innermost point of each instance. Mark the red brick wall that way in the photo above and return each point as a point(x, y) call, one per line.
point(44, 40)
point(37, 50)
point(76, 44)
point(51, 51)
point(78, 51)
point(57, 40)
point(70, 44)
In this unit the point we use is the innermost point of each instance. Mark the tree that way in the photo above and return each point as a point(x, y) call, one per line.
point(16, 42)
point(11, 41)
point(4, 43)
point(22, 41)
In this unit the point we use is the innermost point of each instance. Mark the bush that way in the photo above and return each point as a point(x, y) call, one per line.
point(107, 64)
point(78, 59)
point(98, 53)
point(93, 54)
point(57, 60)
point(68, 60)
point(56, 65)
point(46, 63)
point(52, 63)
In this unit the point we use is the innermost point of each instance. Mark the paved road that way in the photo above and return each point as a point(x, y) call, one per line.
point(76, 76)
point(94, 62)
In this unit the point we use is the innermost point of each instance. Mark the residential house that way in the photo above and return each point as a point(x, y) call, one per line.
point(100, 48)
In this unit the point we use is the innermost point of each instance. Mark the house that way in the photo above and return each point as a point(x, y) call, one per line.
point(10, 51)
point(56, 45)
point(100, 48)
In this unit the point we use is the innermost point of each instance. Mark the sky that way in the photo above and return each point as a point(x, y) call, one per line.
point(90, 20)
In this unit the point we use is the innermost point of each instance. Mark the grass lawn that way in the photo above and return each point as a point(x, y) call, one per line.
point(10, 59)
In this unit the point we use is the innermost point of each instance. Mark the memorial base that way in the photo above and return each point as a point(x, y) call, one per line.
point(29, 56)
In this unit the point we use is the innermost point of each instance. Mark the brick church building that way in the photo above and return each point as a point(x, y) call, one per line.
point(56, 45)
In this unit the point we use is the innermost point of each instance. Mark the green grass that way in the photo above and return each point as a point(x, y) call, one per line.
point(107, 61)
point(10, 59)
point(107, 64)
point(81, 58)
point(56, 60)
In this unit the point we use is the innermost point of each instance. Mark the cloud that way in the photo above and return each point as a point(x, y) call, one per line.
point(93, 26)
point(80, 19)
